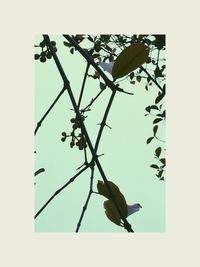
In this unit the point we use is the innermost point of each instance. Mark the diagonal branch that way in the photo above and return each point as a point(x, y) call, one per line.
point(83, 85)
point(103, 123)
point(49, 109)
point(59, 190)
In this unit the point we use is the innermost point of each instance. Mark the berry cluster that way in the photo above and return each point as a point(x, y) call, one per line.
point(76, 123)
point(78, 140)
point(45, 53)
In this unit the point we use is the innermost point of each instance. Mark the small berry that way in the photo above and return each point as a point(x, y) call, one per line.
point(42, 59)
point(73, 120)
point(71, 144)
point(64, 134)
point(63, 139)
point(49, 55)
point(42, 44)
point(53, 43)
point(37, 56)
point(75, 126)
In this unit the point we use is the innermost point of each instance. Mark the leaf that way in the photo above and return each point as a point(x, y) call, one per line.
point(158, 151)
point(154, 166)
point(138, 78)
point(155, 129)
point(160, 96)
point(72, 50)
point(149, 139)
point(111, 212)
point(132, 75)
point(160, 173)
point(119, 197)
point(163, 161)
point(130, 59)
point(158, 72)
point(154, 107)
point(148, 109)
point(157, 120)
point(95, 55)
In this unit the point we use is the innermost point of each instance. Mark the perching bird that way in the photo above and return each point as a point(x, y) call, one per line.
point(110, 209)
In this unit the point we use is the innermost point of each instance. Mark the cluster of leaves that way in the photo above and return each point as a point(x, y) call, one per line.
point(110, 209)
point(45, 51)
point(76, 139)
point(160, 167)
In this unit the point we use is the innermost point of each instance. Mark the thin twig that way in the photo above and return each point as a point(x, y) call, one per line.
point(103, 123)
point(49, 109)
point(92, 101)
point(83, 85)
point(87, 200)
point(59, 190)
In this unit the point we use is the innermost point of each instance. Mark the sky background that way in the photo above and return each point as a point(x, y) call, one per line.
point(126, 157)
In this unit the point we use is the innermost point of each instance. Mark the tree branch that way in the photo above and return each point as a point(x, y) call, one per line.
point(153, 80)
point(59, 190)
point(83, 85)
point(49, 109)
point(87, 200)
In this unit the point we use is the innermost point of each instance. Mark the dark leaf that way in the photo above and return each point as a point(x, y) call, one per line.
point(72, 50)
point(149, 140)
point(154, 107)
point(39, 171)
point(154, 166)
point(105, 37)
point(146, 87)
point(130, 59)
point(67, 44)
point(162, 179)
point(95, 55)
point(158, 151)
point(138, 78)
point(155, 129)
point(160, 173)
point(132, 75)
point(163, 161)
point(159, 97)
point(157, 120)
point(158, 72)
point(148, 109)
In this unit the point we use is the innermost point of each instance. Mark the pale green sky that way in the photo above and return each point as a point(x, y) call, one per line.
point(126, 157)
